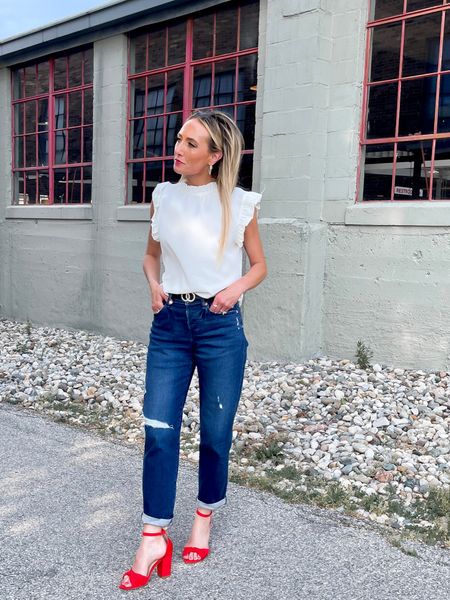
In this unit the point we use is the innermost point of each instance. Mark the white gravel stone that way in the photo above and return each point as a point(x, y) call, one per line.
point(366, 429)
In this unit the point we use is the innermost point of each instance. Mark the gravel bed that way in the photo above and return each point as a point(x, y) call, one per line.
point(370, 430)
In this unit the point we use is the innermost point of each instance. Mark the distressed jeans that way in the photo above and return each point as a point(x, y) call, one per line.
point(185, 335)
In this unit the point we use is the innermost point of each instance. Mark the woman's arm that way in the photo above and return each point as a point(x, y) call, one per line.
point(228, 297)
point(151, 266)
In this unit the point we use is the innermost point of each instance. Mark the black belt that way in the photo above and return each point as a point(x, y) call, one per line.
point(189, 297)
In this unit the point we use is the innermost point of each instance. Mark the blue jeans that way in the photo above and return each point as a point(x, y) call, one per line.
point(185, 335)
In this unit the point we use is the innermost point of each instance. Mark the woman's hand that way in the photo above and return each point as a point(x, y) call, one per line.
point(158, 295)
point(226, 298)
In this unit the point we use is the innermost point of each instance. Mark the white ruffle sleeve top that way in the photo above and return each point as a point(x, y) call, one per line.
point(187, 223)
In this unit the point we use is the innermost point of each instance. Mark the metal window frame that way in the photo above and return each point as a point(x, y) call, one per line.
point(187, 67)
point(442, 8)
point(52, 130)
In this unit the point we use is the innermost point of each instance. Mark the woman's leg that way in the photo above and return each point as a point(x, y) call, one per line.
point(170, 366)
point(221, 353)
point(221, 356)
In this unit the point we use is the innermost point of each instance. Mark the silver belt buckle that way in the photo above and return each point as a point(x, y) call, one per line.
point(189, 297)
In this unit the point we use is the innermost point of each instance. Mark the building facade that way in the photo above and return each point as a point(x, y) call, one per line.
point(344, 108)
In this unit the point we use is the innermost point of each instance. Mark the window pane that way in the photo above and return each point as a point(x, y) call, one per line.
point(138, 54)
point(385, 52)
point(60, 147)
point(18, 83)
point(202, 86)
point(88, 102)
point(157, 49)
point(169, 173)
point(228, 110)
point(155, 94)
point(75, 145)
point(18, 118)
point(387, 8)
point(75, 62)
point(446, 49)
point(74, 180)
point(18, 153)
point(30, 81)
point(246, 172)
point(19, 188)
point(43, 77)
point(43, 187)
point(177, 44)
point(441, 173)
point(138, 93)
point(382, 108)
point(87, 144)
point(43, 149)
point(226, 30)
point(75, 109)
point(60, 186)
point(87, 185)
point(30, 151)
point(30, 182)
point(88, 57)
point(444, 105)
point(246, 123)
point(136, 182)
point(249, 26)
point(155, 132)
point(421, 45)
point(153, 174)
point(203, 37)
point(43, 115)
point(417, 106)
point(412, 178)
point(30, 116)
point(174, 96)
point(247, 77)
point(224, 82)
point(378, 171)
point(60, 73)
point(137, 138)
point(60, 112)
point(419, 4)
point(173, 126)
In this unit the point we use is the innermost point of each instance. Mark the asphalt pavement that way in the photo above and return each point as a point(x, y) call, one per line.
point(70, 505)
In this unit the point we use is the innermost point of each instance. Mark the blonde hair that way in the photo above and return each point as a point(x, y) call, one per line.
point(224, 137)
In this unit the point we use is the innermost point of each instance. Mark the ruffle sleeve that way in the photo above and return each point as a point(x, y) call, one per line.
point(249, 201)
point(154, 221)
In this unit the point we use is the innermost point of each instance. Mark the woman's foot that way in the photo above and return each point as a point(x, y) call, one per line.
point(150, 549)
point(199, 535)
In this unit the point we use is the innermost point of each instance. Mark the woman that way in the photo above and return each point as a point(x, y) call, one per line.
point(198, 228)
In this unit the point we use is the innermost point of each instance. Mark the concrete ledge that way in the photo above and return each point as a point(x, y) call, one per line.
point(77, 213)
point(137, 212)
point(413, 214)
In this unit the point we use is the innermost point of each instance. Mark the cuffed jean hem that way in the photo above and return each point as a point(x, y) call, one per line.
point(218, 504)
point(156, 521)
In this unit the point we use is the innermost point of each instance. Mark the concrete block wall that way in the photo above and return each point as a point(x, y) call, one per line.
point(291, 137)
point(338, 272)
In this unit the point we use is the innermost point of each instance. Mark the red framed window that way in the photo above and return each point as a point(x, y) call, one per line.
point(206, 60)
point(52, 130)
point(405, 132)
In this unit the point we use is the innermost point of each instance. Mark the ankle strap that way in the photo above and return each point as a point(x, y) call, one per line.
point(202, 515)
point(157, 533)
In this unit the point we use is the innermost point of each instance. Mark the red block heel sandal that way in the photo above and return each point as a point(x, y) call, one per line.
point(163, 564)
point(202, 552)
